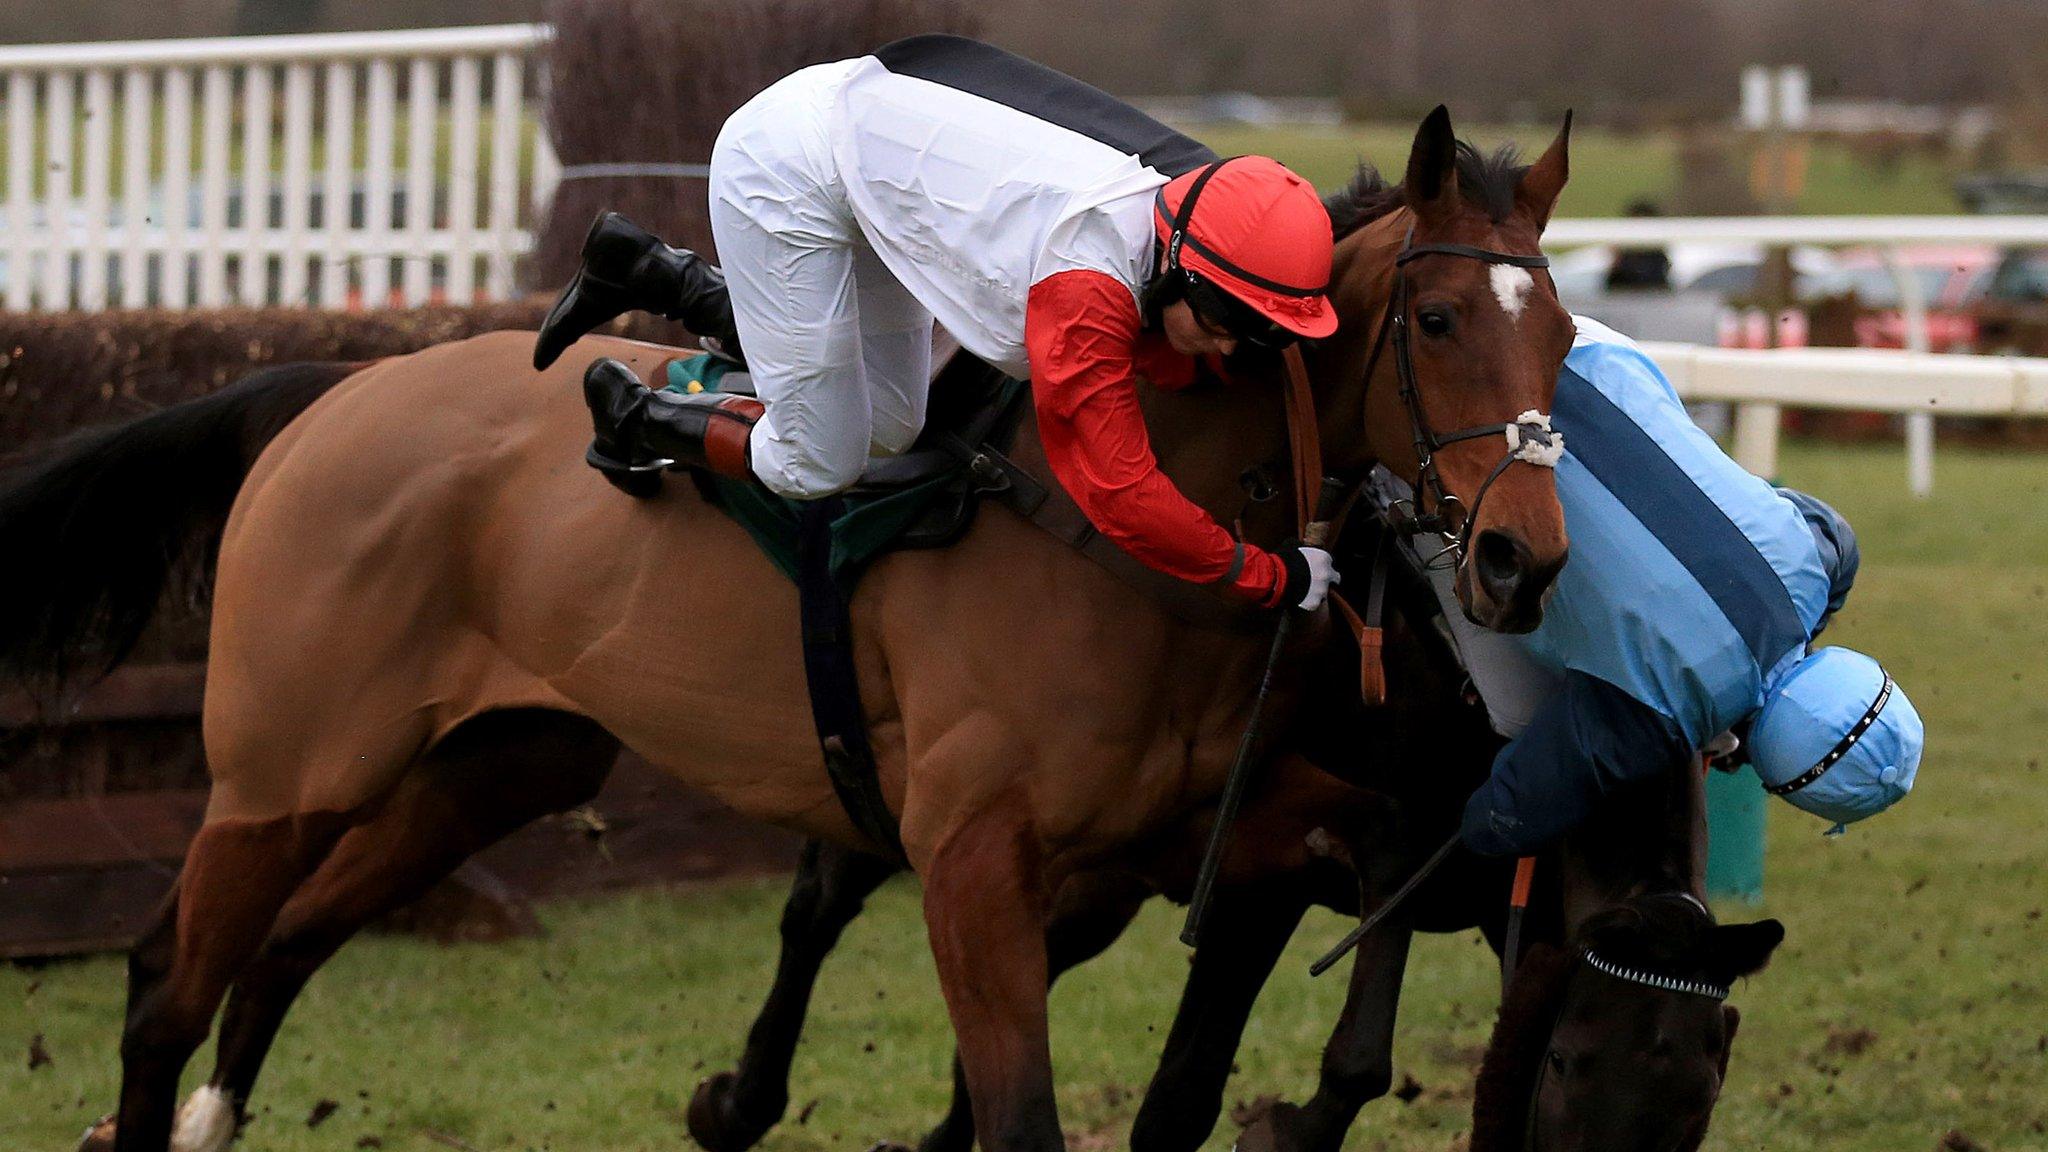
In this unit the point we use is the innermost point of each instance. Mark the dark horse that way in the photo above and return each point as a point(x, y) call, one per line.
point(1629, 1066)
point(431, 623)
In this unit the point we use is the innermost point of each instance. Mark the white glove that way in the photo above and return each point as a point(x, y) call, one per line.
point(1321, 572)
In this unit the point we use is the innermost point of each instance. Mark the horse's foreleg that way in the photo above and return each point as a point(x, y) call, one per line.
point(237, 875)
point(1089, 913)
point(1247, 930)
point(986, 911)
point(1358, 1061)
point(731, 1111)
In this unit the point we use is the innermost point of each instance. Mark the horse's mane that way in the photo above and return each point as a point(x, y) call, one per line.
point(1488, 181)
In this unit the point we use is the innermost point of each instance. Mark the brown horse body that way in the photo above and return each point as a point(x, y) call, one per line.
point(422, 554)
point(395, 570)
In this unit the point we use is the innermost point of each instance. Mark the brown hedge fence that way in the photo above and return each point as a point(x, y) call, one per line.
point(63, 371)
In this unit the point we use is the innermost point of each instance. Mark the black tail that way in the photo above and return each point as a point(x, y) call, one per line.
point(93, 527)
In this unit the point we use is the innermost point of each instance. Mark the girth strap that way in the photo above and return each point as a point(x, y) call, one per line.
point(829, 673)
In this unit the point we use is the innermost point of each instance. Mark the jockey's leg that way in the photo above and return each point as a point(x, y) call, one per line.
point(626, 268)
point(895, 353)
point(790, 269)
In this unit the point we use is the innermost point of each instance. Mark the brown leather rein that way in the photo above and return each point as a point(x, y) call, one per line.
point(1305, 452)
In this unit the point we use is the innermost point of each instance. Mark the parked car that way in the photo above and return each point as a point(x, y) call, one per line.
point(1951, 279)
point(1725, 270)
point(2011, 314)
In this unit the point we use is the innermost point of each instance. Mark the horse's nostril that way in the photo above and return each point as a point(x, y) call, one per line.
point(1501, 560)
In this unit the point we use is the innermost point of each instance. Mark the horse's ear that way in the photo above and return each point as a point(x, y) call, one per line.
point(1536, 195)
point(1736, 950)
point(1430, 187)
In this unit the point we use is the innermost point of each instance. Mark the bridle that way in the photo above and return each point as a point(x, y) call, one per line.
point(1530, 438)
point(1587, 958)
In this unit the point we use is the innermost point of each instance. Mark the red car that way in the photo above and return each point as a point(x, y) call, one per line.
point(1951, 278)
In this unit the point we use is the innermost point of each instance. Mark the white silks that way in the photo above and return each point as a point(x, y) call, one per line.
point(852, 206)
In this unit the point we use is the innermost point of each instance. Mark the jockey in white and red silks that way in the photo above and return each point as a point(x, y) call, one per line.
point(1057, 233)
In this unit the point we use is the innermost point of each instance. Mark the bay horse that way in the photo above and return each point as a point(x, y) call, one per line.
point(1621, 886)
point(424, 603)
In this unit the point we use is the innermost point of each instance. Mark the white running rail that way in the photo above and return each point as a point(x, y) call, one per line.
point(325, 170)
point(1761, 383)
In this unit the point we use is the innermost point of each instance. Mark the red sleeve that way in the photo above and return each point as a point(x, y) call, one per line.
point(1081, 329)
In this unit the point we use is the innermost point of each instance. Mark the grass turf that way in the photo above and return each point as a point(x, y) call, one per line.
point(1908, 1000)
point(1609, 168)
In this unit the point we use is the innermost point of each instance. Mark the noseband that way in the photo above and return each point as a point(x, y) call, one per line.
point(1530, 438)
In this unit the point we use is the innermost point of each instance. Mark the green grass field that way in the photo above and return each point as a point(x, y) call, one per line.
point(1609, 169)
point(1924, 930)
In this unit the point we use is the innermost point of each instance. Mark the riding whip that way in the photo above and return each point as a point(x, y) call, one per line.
point(1380, 913)
point(1315, 535)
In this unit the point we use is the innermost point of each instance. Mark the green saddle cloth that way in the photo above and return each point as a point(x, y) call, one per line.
point(869, 524)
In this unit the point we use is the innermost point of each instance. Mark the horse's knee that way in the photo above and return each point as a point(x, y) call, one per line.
point(162, 1024)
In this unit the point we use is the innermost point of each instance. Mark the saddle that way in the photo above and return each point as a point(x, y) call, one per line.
point(924, 498)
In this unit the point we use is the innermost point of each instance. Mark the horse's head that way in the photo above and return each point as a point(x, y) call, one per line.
point(1618, 1042)
point(1450, 355)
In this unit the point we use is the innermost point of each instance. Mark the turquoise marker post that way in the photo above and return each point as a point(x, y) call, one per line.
point(1735, 835)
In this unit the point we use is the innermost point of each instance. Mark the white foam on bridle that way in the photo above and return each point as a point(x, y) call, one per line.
point(1511, 286)
point(206, 1122)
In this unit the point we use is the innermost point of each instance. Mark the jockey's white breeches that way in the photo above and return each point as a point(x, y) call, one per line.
point(839, 350)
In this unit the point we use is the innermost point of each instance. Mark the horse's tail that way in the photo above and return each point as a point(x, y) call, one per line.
point(96, 525)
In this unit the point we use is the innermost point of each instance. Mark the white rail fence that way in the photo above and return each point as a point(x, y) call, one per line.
point(1760, 384)
point(327, 170)
point(1912, 383)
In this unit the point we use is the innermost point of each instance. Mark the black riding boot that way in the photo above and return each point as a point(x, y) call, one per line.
point(627, 267)
point(641, 432)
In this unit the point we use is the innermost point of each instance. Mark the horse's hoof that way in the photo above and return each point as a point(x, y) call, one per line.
point(714, 1117)
point(1270, 1129)
point(99, 1137)
point(889, 1146)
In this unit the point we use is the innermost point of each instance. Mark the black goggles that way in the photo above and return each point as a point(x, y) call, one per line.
point(1226, 313)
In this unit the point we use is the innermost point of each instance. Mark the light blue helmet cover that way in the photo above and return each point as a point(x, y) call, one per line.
point(1806, 717)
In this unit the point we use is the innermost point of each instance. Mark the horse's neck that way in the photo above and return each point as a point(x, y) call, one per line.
point(1206, 436)
point(1361, 281)
point(1646, 840)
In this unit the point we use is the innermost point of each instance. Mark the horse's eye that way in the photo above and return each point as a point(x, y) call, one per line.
point(1434, 321)
point(1556, 1060)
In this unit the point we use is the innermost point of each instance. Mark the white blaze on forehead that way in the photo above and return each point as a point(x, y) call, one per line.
point(1511, 286)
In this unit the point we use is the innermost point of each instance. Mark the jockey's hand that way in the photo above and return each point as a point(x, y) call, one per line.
point(1310, 572)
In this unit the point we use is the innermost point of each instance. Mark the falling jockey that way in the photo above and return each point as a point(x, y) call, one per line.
point(1055, 232)
point(1688, 610)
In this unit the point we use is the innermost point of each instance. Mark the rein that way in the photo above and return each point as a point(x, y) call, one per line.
point(1530, 438)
